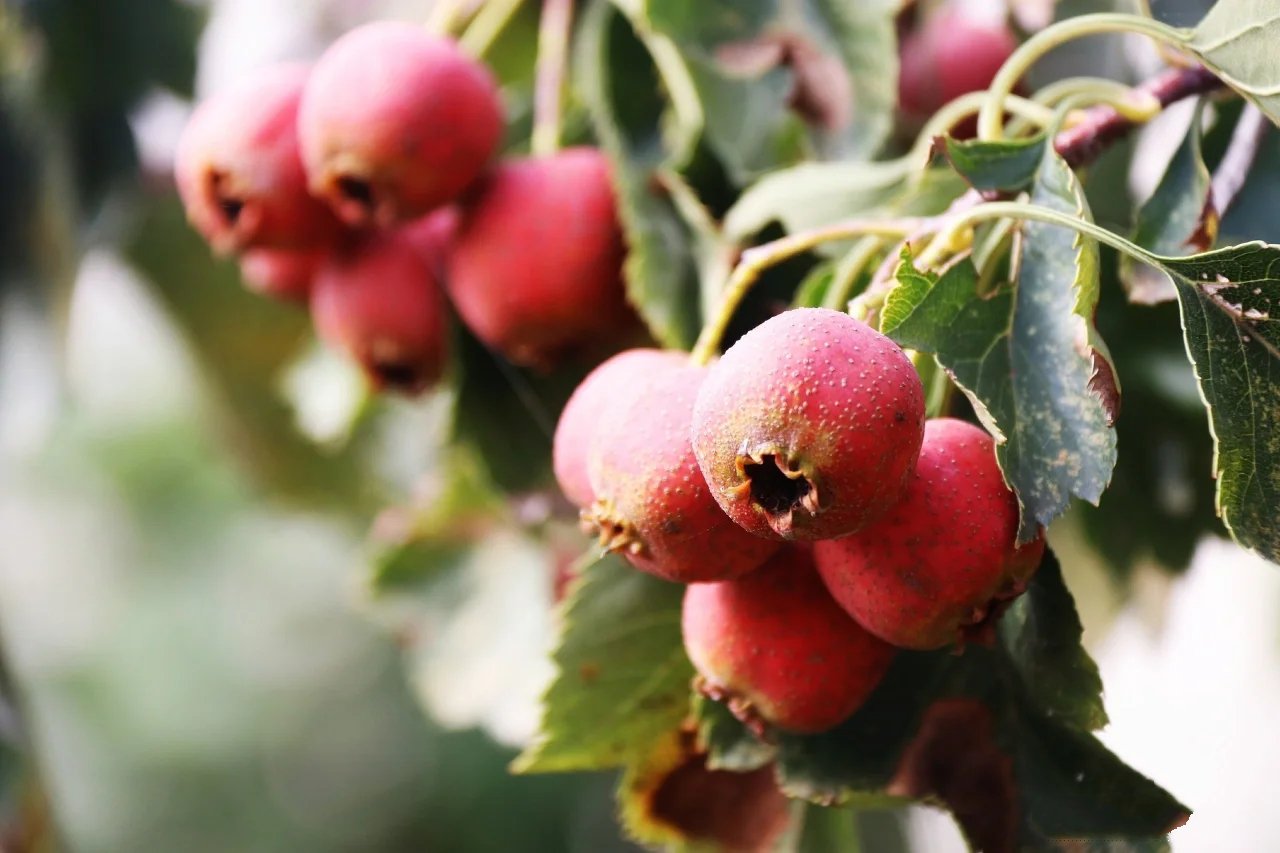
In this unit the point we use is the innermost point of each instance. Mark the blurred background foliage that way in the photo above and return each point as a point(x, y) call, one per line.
point(193, 657)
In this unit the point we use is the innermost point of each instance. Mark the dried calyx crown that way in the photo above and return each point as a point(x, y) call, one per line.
point(780, 487)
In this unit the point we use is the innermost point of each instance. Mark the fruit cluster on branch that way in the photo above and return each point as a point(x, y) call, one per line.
point(367, 186)
point(796, 485)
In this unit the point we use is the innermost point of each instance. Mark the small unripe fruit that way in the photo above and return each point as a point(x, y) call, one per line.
point(537, 269)
point(239, 171)
point(952, 53)
point(652, 503)
point(943, 560)
point(284, 274)
point(396, 122)
point(777, 646)
point(381, 303)
point(608, 386)
point(809, 425)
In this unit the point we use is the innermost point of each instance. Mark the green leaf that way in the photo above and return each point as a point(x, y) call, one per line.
point(507, 414)
point(1178, 217)
point(1237, 40)
point(1041, 632)
point(813, 289)
point(622, 678)
point(765, 71)
point(1007, 165)
point(811, 195)
point(615, 76)
point(728, 743)
point(1029, 357)
point(1159, 504)
point(1230, 301)
point(1074, 787)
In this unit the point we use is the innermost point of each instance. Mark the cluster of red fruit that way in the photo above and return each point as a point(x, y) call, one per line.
point(365, 184)
point(810, 429)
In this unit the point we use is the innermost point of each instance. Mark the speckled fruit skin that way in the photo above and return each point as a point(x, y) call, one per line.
point(809, 425)
point(950, 54)
point(652, 504)
point(537, 270)
point(609, 385)
point(284, 274)
point(380, 302)
point(396, 122)
point(777, 645)
point(239, 171)
point(933, 568)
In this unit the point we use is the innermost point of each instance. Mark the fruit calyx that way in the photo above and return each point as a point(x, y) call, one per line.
point(778, 485)
point(741, 707)
point(241, 217)
point(354, 195)
point(614, 533)
point(981, 628)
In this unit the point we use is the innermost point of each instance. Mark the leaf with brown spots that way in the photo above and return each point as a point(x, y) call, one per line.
point(622, 680)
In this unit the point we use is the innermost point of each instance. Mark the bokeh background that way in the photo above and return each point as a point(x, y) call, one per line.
point(191, 660)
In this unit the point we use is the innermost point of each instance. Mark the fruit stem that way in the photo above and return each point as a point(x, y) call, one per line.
point(553, 58)
point(447, 17)
point(849, 270)
point(487, 25)
point(756, 260)
point(991, 116)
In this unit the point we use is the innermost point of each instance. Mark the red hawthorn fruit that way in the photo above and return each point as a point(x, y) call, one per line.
point(942, 562)
point(779, 649)
point(950, 54)
point(396, 122)
point(284, 274)
point(606, 387)
point(809, 425)
point(651, 501)
point(380, 302)
point(239, 171)
point(537, 268)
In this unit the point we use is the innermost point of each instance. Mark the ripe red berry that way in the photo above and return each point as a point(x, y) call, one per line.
point(380, 302)
point(933, 568)
point(652, 504)
point(396, 122)
point(537, 268)
point(777, 646)
point(239, 172)
point(952, 52)
point(608, 386)
point(281, 273)
point(809, 426)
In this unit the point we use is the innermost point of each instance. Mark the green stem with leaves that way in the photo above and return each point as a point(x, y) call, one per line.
point(756, 260)
point(991, 117)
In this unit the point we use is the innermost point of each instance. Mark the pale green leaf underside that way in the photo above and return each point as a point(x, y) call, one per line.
point(1237, 40)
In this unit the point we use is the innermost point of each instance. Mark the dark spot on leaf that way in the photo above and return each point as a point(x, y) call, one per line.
point(589, 672)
